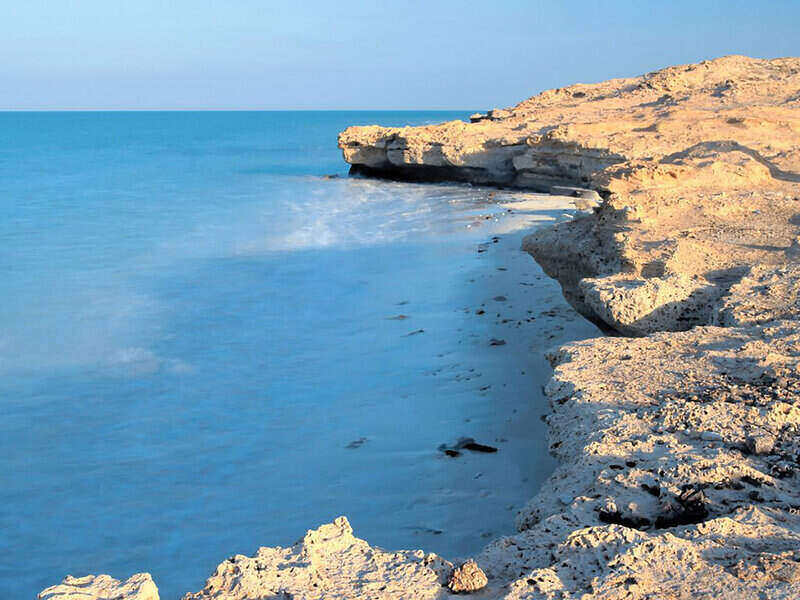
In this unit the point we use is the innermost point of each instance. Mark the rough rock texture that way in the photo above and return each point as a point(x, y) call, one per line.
point(659, 491)
point(467, 578)
point(328, 562)
point(699, 165)
point(102, 587)
point(637, 306)
point(765, 294)
point(664, 248)
point(734, 116)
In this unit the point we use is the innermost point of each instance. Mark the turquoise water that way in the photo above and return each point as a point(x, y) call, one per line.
point(195, 327)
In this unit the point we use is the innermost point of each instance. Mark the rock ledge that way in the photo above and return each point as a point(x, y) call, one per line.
point(680, 445)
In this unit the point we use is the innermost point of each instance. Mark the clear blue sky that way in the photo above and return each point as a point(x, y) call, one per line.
point(371, 54)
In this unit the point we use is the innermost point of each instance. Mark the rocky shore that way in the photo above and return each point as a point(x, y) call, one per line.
point(678, 436)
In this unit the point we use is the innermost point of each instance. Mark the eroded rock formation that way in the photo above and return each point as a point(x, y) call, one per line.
point(731, 116)
point(102, 587)
point(328, 562)
point(679, 446)
point(699, 165)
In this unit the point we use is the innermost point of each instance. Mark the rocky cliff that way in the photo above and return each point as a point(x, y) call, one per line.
point(678, 443)
point(698, 164)
point(730, 117)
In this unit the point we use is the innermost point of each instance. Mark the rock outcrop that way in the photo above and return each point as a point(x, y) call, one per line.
point(730, 117)
point(467, 578)
point(764, 294)
point(102, 587)
point(660, 492)
point(328, 562)
point(679, 446)
point(699, 166)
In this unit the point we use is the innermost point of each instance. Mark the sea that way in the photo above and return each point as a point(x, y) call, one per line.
point(213, 339)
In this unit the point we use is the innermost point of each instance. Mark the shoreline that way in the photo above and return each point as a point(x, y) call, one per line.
point(474, 496)
point(677, 444)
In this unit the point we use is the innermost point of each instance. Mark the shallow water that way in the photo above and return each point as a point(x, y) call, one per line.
point(197, 326)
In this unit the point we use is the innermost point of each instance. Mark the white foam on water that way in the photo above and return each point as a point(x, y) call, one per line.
point(105, 318)
point(360, 212)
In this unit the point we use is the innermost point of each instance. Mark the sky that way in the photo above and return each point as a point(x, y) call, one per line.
point(313, 54)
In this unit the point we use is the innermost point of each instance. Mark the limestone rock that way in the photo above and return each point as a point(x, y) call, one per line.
point(698, 167)
point(760, 443)
point(329, 562)
point(638, 306)
point(653, 134)
point(102, 587)
point(467, 578)
point(765, 294)
point(573, 251)
point(661, 508)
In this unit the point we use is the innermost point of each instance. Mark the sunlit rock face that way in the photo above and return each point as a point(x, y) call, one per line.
point(730, 117)
point(329, 562)
point(683, 156)
point(102, 587)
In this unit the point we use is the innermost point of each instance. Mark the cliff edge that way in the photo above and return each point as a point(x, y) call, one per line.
point(678, 440)
point(698, 166)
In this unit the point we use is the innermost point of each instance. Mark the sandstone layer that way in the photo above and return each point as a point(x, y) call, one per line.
point(699, 166)
point(678, 444)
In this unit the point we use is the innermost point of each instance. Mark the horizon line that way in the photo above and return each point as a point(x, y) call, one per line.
point(14, 109)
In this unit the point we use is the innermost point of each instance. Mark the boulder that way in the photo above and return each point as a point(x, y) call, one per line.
point(467, 578)
point(102, 587)
point(639, 306)
point(329, 562)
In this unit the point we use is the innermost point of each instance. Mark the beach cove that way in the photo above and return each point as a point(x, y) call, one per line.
point(214, 337)
point(677, 439)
